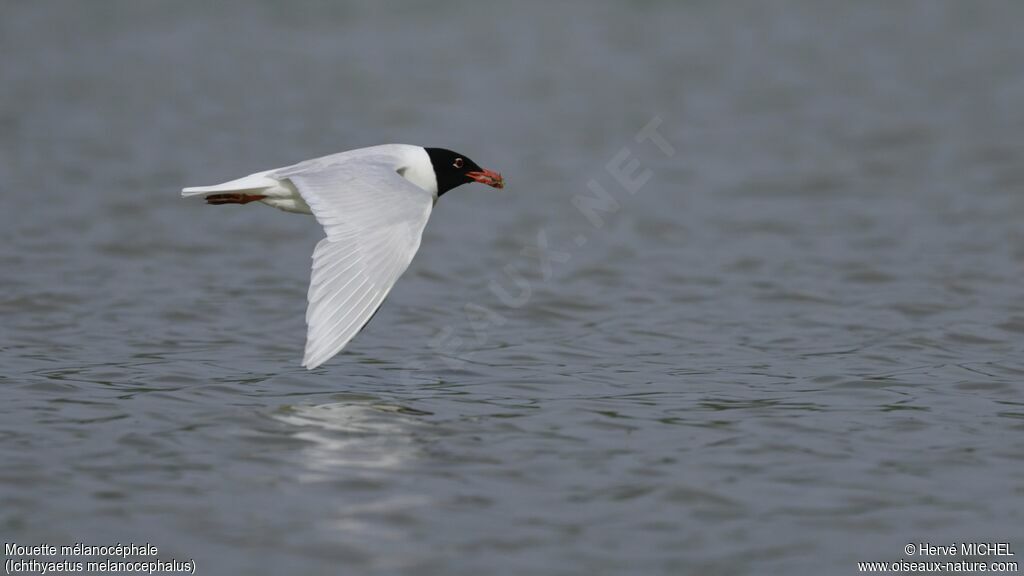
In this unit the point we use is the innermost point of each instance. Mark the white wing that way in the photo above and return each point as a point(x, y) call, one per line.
point(374, 219)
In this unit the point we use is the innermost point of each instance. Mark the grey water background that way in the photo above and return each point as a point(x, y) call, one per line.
point(797, 346)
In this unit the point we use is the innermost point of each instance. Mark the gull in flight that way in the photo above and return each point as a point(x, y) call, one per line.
point(373, 203)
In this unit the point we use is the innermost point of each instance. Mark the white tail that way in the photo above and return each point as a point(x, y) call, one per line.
point(257, 181)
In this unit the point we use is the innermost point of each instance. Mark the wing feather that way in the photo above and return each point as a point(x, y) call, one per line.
point(374, 220)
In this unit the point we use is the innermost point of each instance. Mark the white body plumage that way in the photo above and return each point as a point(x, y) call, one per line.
point(374, 204)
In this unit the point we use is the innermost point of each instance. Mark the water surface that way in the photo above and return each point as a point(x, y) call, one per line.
point(798, 345)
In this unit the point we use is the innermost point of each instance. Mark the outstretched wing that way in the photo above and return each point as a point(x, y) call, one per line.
point(374, 219)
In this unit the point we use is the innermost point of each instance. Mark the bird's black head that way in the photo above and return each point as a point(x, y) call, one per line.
point(453, 169)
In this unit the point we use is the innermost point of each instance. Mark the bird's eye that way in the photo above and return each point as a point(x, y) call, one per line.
point(457, 163)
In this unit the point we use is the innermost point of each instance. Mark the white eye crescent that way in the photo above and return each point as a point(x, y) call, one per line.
point(457, 163)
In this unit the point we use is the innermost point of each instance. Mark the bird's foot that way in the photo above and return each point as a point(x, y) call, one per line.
point(236, 198)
